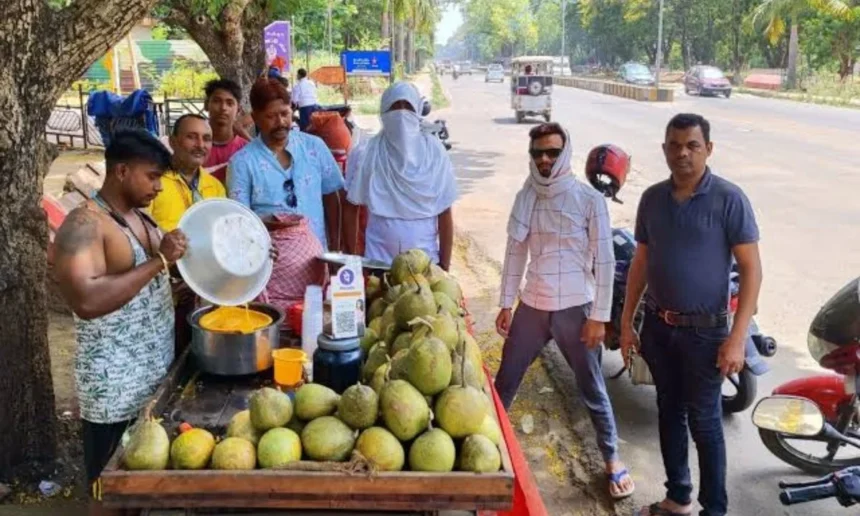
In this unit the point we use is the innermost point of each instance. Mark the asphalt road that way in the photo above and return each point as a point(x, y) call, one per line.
point(799, 164)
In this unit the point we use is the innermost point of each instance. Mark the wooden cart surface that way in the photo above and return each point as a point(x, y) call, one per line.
point(210, 402)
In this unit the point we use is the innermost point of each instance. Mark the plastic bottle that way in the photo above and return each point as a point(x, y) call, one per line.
point(312, 323)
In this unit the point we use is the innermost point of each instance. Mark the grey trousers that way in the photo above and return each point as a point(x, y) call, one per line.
point(530, 331)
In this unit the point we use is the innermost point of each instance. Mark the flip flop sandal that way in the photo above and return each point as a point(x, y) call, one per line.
point(616, 478)
point(655, 510)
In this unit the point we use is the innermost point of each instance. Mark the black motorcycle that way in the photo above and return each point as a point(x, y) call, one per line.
point(438, 128)
point(742, 393)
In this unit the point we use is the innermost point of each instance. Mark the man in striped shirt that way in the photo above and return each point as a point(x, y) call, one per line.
point(564, 225)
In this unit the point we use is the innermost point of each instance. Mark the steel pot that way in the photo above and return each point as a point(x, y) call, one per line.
point(233, 354)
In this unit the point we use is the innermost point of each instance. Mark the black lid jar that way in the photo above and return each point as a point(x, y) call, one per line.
point(337, 363)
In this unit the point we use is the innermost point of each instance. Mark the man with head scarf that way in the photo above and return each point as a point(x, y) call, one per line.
point(564, 225)
point(404, 178)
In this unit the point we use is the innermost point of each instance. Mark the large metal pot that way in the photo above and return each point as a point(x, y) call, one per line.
point(232, 354)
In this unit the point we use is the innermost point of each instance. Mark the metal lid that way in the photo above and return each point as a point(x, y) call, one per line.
point(329, 344)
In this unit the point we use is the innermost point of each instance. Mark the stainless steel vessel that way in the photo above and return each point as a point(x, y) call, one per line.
point(233, 354)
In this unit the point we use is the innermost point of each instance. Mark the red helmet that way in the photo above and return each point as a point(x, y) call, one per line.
point(606, 169)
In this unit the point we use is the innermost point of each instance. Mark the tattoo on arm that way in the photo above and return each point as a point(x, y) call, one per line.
point(79, 231)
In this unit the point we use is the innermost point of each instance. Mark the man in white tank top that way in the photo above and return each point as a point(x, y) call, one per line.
point(405, 179)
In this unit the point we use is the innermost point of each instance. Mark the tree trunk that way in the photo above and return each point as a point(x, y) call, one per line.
point(43, 51)
point(410, 49)
point(386, 24)
point(793, 44)
point(234, 45)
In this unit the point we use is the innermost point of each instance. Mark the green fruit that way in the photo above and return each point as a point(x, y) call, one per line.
point(479, 455)
point(415, 281)
point(373, 288)
point(490, 429)
point(433, 451)
point(378, 380)
point(428, 366)
point(376, 325)
point(328, 439)
point(442, 326)
point(417, 302)
point(473, 378)
point(390, 334)
point(270, 408)
point(398, 365)
point(449, 287)
point(378, 355)
point(369, 339)
point(412, 262)
point(435, 273)
point(314, 400)
point(460, 411)
point(403, 341)
point(192, 449)
point(404, 409)
point(279, 447)
point(393, 295)
point(377, 308)
point(359, 406)
point(387, 318)
point(380, 447)
point(240, 426)
point(473, 353)
point(446, 304)
point(234, 453)
point(148, 448)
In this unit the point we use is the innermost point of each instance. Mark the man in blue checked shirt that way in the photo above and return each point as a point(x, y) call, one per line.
point(286, 172)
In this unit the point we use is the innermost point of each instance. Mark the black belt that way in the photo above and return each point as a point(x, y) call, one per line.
point(682, 320)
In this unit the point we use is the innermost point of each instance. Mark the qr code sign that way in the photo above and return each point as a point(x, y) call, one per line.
point(344, 323)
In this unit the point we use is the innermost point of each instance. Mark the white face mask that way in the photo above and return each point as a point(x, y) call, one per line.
point(400, 128)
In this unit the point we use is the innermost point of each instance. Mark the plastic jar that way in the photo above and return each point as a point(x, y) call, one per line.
point(337, 363)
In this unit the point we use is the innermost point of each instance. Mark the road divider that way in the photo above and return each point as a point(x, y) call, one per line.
point(617, 89)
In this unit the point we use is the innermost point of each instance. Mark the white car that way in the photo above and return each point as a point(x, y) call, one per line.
point(495, 73)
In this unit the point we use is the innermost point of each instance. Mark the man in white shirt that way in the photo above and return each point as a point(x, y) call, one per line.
point(564, 225)
point(305, 96)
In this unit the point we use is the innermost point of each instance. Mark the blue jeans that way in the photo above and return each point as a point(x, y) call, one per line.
point(683, 362)
point(305, 116)
point(531, 330)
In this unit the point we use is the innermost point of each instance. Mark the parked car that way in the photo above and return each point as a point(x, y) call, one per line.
point(707, 80)
point(636, 73)
point(495, 73)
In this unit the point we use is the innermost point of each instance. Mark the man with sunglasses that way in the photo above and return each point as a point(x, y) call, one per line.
point(563, 226)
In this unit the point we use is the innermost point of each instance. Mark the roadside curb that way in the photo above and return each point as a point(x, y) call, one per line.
point(800, 97)
point(617, 89)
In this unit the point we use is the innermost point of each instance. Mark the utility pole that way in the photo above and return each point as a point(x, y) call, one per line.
point(659, 45)
point(563, 33)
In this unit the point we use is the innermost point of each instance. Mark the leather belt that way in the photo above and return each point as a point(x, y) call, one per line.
point(682, 320)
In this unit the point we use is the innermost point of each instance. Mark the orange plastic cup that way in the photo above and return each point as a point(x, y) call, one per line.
point(288, 366)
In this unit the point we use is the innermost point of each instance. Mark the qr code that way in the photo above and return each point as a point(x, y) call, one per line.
point(344, 323)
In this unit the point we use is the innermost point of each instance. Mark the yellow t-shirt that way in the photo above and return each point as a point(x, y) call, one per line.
point(176, 197)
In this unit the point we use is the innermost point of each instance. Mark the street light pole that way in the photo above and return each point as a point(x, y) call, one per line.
point(563, 33)
point(659, 45)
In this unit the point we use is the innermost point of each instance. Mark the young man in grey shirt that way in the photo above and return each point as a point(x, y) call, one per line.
point(688, 229)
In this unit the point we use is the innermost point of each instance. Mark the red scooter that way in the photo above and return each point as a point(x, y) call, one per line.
point(834, 342)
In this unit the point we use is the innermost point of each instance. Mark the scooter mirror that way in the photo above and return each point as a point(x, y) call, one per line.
point(426, 108)
point(790, 415)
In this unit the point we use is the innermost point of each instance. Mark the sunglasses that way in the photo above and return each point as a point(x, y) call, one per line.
point(290, 191)
point(550, 153)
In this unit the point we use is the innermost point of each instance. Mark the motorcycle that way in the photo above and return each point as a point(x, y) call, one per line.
point(438, 128)
point(744, 384)
point(803, 419)
point(834, 342)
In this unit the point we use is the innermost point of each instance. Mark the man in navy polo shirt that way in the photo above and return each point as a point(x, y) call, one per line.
point(688, 228)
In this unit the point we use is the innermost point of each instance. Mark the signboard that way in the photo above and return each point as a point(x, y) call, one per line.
point(347, 300)
point(372, 62)
point(276, 40)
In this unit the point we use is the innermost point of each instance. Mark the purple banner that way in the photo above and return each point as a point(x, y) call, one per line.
point(276, 39)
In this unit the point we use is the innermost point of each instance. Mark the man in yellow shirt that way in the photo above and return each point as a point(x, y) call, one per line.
point(186, 182)
point(183, 185)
